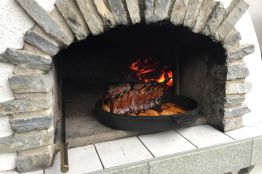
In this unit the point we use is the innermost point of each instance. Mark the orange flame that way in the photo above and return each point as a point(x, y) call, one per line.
point(146, 69)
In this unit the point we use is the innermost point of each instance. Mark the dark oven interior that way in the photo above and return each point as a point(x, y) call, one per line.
point(88, 67)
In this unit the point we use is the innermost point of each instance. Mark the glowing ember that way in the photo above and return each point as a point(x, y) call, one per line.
point(147, 70)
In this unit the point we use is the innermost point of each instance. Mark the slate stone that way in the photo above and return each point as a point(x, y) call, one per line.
point(52, 22)
point(179, 12)
point(93, 20)
point(105, 13)
point(236, 111)
point(215, 19)
point(219, 159)
point(192, 13)
point(149, 11)
point(162, 9)
point(73, 17)
point(238, 87)
point(234, 100)
point(237, 71)
point(31, 59)
point(26, 140)
point(237, 9)
point(19, 106)
point(203, 15)
point(134, 11)
point(31, 83)
point(25, 122)
point(240, 52)
point(119, 12)
point(232, 38)
point(35, 159)
point(23, 69)
point(257, 151)
point(34, 96)
point(38, 38)
point(232, 123)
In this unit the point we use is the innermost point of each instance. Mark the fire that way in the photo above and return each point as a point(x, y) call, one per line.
point(147, 70)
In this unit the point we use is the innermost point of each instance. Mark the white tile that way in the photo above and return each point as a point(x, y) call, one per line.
point(257, 169)
point(245, 132)
point(123, 151)
point(35, 172)
point(7, 161)
point(81, 160)
point(204, 135)
point(165, 143)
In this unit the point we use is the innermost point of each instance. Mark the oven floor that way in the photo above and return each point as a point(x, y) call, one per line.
point(82, 127)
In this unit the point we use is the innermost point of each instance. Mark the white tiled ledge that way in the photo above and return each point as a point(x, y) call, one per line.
point(199, 149)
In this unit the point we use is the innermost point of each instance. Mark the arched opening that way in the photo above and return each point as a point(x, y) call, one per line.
point(87, 68)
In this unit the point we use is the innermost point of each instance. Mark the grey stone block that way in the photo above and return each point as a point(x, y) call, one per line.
point(236, 111)
point(91, 16)
point(105, 13)
point(25, 122)
point(220, 159)
point(192, 13)
point(33, 59)
point(34, 96)
point(141, 168)
point(31, 83)
point(35, 159)
point(232, 38)
point(232, 123)
point(162, 9)
point(237, 71)
point(19, 106)
point(38, 38)
point(149, 11)
point(240, 52)
point(119, 12)
point(203, 15)
point(179, 12)
point(257, 151)
point(23, 69)
point(215, 19)
point(73, 17)
point(236, 9)
point(26, 140)
point(52, 22)
point(134, 11)
point(234, 100)
point(238, 87)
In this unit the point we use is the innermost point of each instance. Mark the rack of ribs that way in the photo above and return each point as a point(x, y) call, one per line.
point(126, 98)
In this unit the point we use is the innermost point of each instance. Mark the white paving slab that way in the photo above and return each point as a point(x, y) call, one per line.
point(81, 160)
point(204, 135)
point(123, 151)
point(245, 132)
point(35, 172)
point(165, 143)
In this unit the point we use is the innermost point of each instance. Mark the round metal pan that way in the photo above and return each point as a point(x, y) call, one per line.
point(150, 123)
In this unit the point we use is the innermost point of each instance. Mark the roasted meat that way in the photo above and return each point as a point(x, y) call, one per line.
point(114, 91)
point(127, 98)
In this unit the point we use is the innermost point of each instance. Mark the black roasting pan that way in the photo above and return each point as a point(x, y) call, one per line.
point(150, 123)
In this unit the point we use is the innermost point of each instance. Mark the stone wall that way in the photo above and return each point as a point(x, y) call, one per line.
point(30, 106)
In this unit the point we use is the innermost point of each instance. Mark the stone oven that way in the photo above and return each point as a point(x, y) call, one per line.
point(98, 39)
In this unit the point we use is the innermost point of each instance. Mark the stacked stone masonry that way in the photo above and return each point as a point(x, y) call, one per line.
point(31, 111)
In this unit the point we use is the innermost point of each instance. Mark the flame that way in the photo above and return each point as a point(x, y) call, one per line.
point(148, 71)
